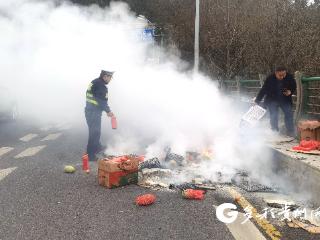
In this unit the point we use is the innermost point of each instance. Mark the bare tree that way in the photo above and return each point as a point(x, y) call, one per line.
point(239, 37)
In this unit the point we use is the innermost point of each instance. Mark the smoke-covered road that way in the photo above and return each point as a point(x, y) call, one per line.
point(39, 201)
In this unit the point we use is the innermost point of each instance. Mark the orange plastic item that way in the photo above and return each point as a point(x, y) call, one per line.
point(307, 145)
point(114, 122)
point(193, 194)
point(145, 200)
point(85, 163)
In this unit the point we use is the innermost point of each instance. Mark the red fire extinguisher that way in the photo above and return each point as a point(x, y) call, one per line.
point(114, 122)
point(85, 163)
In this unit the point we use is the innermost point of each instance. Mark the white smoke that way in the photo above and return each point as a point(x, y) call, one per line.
point(51, 53)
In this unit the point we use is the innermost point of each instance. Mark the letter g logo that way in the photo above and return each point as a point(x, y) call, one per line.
point(230, 217)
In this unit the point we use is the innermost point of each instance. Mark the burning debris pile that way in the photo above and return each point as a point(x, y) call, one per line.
point(175, 172)
point(155, 177)
point(164, 174)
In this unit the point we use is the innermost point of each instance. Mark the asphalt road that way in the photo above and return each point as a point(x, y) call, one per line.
point(39, 201)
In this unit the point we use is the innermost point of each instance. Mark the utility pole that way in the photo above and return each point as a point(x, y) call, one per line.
point(196, 37)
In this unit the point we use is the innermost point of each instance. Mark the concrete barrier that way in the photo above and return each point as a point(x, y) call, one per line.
point(301, 179)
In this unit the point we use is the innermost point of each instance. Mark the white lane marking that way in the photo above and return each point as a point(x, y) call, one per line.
point(28, 137)
point(52, 136)
point(30, 151)
point(244, 231)
point(6, 172)
point(5, 150)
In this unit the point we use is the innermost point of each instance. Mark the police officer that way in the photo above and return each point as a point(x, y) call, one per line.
point(96, 103)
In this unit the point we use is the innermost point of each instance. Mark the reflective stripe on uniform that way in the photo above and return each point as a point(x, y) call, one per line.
point(94, 102)
point(90, 98)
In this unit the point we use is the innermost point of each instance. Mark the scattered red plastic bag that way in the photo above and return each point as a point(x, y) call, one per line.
point(307, 145)
point(193, 194)
point(145, 200)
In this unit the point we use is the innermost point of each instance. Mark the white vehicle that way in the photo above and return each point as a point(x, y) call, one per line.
point(8, 105)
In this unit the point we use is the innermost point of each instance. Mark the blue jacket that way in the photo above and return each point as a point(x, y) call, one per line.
point(270, 89)
point(97, 96)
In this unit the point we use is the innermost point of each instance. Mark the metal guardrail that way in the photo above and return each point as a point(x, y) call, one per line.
point(243, 86)
point(308, 96)
point(309, 79)
point(306, 100)
point(249, 81)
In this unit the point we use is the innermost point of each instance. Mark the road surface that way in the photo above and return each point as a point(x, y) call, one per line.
point(39, 201)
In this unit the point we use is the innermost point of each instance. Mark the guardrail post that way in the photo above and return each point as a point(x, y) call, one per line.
point(262, 77)
point(238, 84)
point(300, 97)
point(305, 97)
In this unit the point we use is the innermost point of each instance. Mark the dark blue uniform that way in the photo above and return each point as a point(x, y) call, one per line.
point(96, 103)
point(273, 90)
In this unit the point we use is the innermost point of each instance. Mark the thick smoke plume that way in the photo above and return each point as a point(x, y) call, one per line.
point(50, 53)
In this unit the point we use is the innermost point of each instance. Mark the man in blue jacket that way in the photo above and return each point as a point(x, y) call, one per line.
point(277, 90)
point(96, 103)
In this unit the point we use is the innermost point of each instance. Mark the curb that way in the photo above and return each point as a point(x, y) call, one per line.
point(304, 178)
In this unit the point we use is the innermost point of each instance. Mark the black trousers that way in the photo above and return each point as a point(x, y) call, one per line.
point(288, 116)
point(93, 118)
